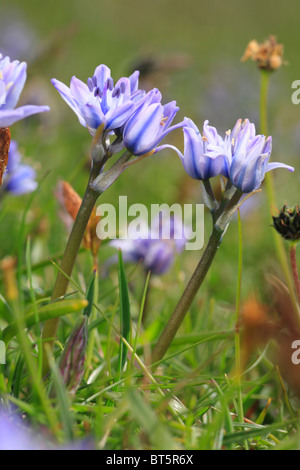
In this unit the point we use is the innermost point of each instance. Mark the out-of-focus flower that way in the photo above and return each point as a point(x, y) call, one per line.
point(99, 101)
point(72, 360)
point(149, 124)
point(17, 36)
point(242, 156)
point(287, 223)
point(18, 179)
point(250, 154)
point(157, 246)
point(16, 435)
point(12, 81)
point(268, 54)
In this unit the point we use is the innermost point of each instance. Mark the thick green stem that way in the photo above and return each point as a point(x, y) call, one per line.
point(69, 257)
point(195, 282)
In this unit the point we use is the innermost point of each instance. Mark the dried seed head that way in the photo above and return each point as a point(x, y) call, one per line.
point(287, 223)
point(268, 54)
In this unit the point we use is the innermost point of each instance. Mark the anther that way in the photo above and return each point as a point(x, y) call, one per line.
point(110, 83)
point(90, 84)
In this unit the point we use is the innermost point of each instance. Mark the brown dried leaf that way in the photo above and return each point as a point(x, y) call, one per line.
point(4, 148)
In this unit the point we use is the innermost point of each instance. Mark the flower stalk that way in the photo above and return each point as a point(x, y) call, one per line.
point(281, 253)
point(295, 269)
point(195, 281)
point(69, 257)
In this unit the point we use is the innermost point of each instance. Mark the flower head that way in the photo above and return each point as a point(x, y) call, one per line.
point(242, 156)
point(157, 246)
point(18, 179)
point(16, 435)
point(204, 155)
point(100, 101)
point(12, 81)
point(149, 124)
point(287, 223)
point(267, 55)
point(250, 154)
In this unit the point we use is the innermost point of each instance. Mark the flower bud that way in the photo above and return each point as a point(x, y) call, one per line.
point(72, 361)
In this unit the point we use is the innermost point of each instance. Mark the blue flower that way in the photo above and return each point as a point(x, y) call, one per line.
point(204, 155)
point(241, 156)
point(250, 154)
point(99, 101)
point(149, 124)
point(157, 245)
point(12, 81)
point(15, 435)
point(18, 179)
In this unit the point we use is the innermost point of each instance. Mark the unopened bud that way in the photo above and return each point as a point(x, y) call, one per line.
point(72, 361)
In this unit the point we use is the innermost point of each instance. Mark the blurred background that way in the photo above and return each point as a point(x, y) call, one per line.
point(191, 51)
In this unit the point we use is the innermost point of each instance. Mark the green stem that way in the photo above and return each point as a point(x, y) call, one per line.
point(281, 253)
point(295, 269)
point(69, 257)
point(240, 408)
point(263, 105)
point(194, 283)
point(187, 297)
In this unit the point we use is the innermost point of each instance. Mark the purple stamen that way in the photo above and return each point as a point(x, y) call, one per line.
point(90, 84)
point(116, 92)
point(110, 83)
point(94, 78)
point(97, 92)
point(122, 87)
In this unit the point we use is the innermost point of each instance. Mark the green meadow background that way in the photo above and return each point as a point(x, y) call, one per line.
point(196, 48)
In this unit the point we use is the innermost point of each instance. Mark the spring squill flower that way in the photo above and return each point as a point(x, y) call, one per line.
point(12, 81)
point(18, 179)
point(149, 124)
point(204, 154)
point(100, 101)
point(153, 249)
point(16, 435)
point(242, 156)
point(250, 154)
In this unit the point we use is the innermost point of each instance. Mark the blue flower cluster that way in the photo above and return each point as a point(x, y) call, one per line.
point(142, 122)
point(241, 156)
